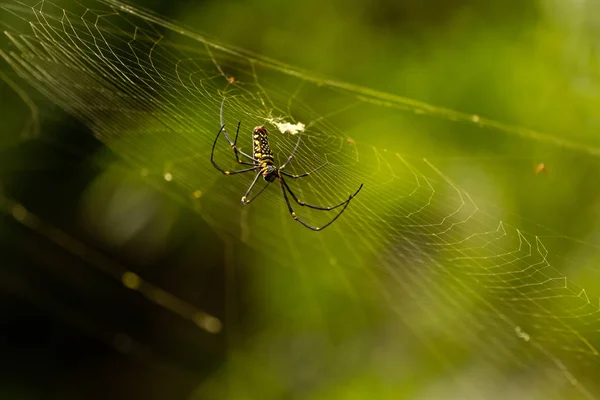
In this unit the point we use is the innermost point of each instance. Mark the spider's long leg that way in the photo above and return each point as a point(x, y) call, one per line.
point(212, 153)
point(258, 194)
point(239, 171)
point(319, 207)
point(237, 151)
point(304, 174)
point(293, 152)
point(245, 196)
point(212, 160)
point(306, 224)
point(233, 145)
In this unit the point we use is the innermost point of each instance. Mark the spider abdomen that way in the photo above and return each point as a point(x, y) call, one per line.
point(262, 154)
point(261, 149)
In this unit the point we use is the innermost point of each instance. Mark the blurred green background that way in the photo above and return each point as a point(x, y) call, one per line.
point(344, 315)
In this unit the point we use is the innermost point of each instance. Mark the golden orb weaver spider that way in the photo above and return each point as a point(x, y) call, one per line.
point(263, 164)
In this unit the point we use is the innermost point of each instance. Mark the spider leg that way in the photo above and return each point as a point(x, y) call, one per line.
point(237, 151)
point(212, 160)
point(245, 196)
point(304, 174)
point(233, 145)
point(239, 171)
point(293, 152)
point(306, 224)
point(318, 207)
point(258, 194)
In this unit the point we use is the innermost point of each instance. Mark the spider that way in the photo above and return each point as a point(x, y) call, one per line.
point(262, 163)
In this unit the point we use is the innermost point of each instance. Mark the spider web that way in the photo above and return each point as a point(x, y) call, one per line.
point(455, 278)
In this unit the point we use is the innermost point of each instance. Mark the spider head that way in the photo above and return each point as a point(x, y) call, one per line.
point(270, 173)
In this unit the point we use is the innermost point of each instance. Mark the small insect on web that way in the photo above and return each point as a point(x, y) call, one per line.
point(263, 164)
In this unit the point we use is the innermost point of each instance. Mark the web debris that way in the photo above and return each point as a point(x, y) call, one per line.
point(286, 127)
